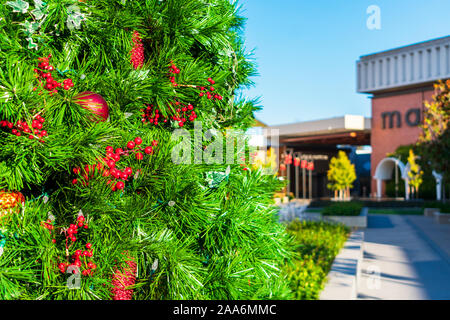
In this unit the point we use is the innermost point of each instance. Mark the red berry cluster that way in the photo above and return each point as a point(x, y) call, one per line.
point(209, 92)
point(50, 227)
point(173, 70)
point(183, 114)
point(152, 115)
point(124, 279)
point(44, 73)
point(137, 53)
point(80, 258)
point(186, 111)
point(73, 228)
point(112, 157)
point(36, 130)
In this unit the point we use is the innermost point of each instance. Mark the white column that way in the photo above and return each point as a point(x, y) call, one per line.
point(379, 186)
point(406, 189)
point(438, 178)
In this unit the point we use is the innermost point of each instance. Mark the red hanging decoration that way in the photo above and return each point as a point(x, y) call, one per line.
point(137, 53)
point(288, 159)
point(123, 279)
point(304, 164)
point(311, 166)
point(296, 162)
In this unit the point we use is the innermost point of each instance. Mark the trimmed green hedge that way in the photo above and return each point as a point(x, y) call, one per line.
point(443, 206)
point(374, 203)
point(343, 209)
point(317, 244)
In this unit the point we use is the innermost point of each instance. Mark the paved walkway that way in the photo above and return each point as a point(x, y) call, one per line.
point(410, 255)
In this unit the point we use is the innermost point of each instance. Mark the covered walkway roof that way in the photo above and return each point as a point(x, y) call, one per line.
point(348, 130)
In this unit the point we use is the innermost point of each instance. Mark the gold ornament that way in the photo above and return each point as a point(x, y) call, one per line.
point(9, 201)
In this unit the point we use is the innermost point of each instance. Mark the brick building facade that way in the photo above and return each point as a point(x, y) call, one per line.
point(399, 81)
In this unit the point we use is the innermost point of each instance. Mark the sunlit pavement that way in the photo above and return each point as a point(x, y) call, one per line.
point(405, 257)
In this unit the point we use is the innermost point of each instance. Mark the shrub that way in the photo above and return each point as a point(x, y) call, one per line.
point(343, 209)
point(443, 206)
point(317, 244)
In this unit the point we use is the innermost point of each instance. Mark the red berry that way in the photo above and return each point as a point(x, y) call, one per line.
point(88, 245)
point(128, 171)
point(148, 150)
point(120, 185)
point(54, 240)
point(109, 149)
point(74, 181)
point(119, 151)
point(180, 123)
point(154, 143)
point(130, 145)
point(139, 156)
point(116, 174)
point(115, 157)
point(111, 164)
point(138, 140)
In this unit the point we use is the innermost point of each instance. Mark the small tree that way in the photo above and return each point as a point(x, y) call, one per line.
point(435, 136)
point(341, 175)
point(415, 174)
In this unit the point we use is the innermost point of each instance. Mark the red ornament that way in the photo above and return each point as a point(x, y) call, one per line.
point(131, 145)
point(94, 103)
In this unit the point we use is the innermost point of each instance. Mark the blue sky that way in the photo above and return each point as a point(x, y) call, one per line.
point(306, 50)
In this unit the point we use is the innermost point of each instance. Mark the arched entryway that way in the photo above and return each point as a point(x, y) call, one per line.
point(384, 172)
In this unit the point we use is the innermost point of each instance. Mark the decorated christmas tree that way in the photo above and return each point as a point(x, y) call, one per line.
point(97, 200)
